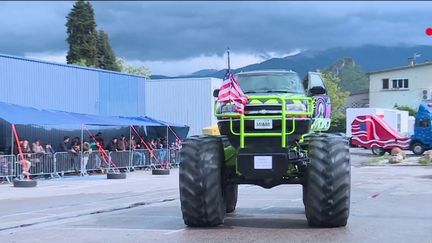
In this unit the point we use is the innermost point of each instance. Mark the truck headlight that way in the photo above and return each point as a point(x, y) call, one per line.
point(296, 107)
point(226, 108)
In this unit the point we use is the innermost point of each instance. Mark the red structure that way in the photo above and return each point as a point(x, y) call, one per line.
point(371, 131)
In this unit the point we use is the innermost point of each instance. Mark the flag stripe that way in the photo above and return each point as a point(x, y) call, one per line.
point(230, 92)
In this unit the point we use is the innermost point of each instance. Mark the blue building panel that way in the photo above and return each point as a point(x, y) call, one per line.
point(71, 88)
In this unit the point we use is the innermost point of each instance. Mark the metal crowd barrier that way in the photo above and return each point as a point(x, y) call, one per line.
point(7, 163)
point(174, 157)
point(140, 159)
point(96, 161)
point(61, 163)
point(39, 165)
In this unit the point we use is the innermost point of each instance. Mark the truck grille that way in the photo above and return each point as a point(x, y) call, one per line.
point(263, 109)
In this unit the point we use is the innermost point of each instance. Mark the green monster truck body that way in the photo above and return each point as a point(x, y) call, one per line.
point(277, 140)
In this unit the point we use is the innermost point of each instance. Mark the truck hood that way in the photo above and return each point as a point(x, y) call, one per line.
point(272, 101)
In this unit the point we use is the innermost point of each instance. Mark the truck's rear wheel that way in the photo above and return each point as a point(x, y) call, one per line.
point(328, 179)
point(231, 194)
point(201, 195)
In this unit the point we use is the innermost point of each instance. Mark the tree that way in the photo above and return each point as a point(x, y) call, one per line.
point(81, 30)
point(411, 111)
point(105, 55)
point(141, 70)
point(337, 98)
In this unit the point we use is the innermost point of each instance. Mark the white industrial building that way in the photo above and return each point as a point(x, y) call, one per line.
point(185, 101)
point(407, 85)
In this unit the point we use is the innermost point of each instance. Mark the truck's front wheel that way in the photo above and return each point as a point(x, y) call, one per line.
point(201, 195)
point(418, 148)
point(328, 181)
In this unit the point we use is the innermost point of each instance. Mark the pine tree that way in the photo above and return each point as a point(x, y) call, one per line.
point(81, 30)
point(105, 55)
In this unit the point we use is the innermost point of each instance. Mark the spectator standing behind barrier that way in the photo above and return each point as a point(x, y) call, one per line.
point(92, 143)
point(25, 149)
point(112, 146)
point(75, 152)
point(86, 150)
point(122, 144)
point(99, 139)
point(76, 141)
point(133, 146)
point(64, 146)
point(48, 149)
point(37, 147)
point(94, 147)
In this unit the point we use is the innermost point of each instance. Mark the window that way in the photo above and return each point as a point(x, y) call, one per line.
point(399, 84)
point(405, 84)
point(316, 80)
point(423, 123)
point(385, 83)
point(395, 83)
point(268, 82)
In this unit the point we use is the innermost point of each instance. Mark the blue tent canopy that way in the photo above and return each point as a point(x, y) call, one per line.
point(20, 115)
point(155, 121)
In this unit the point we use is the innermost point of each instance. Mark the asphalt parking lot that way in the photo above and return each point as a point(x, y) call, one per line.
point(388, 204)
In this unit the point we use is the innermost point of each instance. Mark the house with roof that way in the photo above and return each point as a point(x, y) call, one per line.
point(407, 85)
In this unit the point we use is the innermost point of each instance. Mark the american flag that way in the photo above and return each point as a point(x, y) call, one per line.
point(230, 91)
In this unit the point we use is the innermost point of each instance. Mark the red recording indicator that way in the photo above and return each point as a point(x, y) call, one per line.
point(429, 31)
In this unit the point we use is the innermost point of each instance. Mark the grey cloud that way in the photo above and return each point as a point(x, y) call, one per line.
point(177, 30)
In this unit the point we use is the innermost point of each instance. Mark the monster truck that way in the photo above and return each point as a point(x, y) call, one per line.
point(279, 139)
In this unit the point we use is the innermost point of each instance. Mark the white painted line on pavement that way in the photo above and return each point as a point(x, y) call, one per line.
point(174, 231)
point(277, 199)
point(268, 207)
point(296, 200)
point(112, 229)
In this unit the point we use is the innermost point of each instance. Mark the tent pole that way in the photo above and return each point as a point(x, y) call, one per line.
point(82, 148)
point(12, 141)
point(130, 147)
point(167, 142)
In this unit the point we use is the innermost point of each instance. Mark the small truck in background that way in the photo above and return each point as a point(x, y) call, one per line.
point(373, 132)
point(422, 138)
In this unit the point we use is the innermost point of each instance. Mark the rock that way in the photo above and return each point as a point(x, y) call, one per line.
point(396, 159)
point(428, 155)
point(398, 151)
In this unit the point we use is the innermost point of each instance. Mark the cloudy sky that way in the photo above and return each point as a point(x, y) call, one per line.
point(174, 38)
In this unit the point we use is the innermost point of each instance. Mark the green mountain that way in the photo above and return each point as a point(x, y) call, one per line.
point(353, 77)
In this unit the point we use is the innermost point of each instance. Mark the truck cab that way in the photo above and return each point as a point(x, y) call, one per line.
point(422, 138)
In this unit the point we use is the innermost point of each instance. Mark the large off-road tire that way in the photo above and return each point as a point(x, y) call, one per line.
point(116, 176)
point(201, 192)
point(231, 194)
point(24, 183)
point(304, 194)
point(328, 181)
point(160, 172)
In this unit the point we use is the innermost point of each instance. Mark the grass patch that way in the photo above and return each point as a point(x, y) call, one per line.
point(425, 161)
point(375, 160)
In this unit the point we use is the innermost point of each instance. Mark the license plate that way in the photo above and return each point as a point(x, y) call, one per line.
point(263, 162)
point(263, 124)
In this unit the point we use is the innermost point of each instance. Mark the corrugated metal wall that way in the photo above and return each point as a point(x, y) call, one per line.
point(84, 90)
point(64, 87)
point(184, 101)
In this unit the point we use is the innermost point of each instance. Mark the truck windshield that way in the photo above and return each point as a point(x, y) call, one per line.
point(270, 83)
